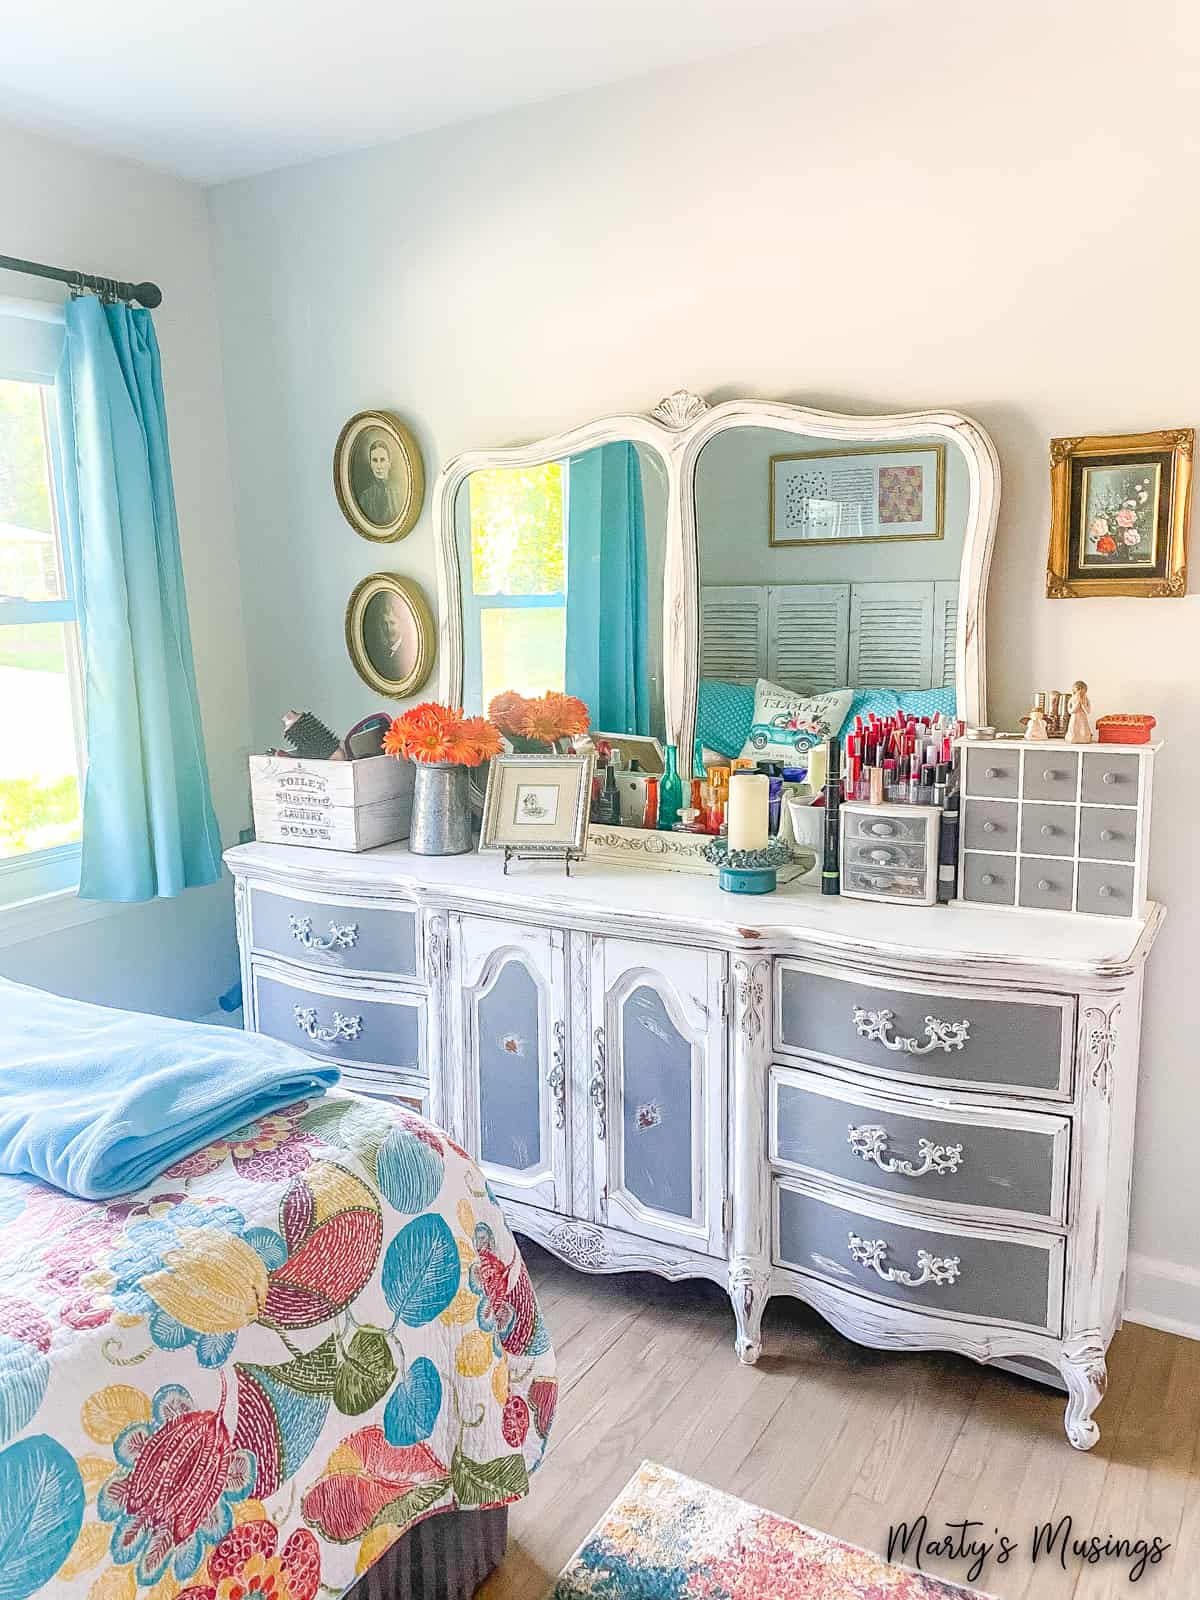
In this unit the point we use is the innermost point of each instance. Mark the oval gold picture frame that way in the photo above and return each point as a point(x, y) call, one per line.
point(378, 476)
point(388, 621)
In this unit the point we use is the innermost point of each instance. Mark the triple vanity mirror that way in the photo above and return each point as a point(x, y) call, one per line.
point(660, 567)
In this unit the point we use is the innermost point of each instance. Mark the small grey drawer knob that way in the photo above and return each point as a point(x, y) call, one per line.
point(1106, 834)
point(1109, 777)
point(989, 826)
point(1049, 775)
point(1104, 891)
point(988, 879)
point(1044, 884)
point(992, 772)
point(1049, 829)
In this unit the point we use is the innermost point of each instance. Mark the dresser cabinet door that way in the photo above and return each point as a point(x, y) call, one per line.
point(657, 1091)
point(509, 1043)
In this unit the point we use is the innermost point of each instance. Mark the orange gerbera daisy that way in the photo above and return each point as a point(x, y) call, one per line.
point(506, 711)
point(485, 737)
point(574, 717)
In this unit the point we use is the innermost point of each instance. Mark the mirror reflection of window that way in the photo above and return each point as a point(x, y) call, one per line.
point(562, 573)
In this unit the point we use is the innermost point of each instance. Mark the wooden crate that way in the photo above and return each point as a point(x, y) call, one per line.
point(331, 805)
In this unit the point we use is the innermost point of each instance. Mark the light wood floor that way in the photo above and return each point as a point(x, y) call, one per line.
point(850, 1440)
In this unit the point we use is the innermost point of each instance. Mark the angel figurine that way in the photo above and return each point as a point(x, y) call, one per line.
point(1035, 724)
point(1079, 727)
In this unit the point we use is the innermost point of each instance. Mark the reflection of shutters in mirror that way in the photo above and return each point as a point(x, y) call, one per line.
point(733, 633)
point(945, 623)
point(808, 634)
point(891, 635)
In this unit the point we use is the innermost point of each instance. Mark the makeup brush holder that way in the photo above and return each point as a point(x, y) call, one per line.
point(748, 871)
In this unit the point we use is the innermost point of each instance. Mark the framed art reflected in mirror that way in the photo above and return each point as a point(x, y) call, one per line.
point(378, 476)
point(1119, 515)
point(390, 635)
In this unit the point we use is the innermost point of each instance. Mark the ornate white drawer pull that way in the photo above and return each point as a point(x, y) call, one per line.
point(871, 1145)
point(342, 935)
point(939, 1035)
point(558, 1073)
point(343, 1027)
point(597, 1088)
point(939, 1270)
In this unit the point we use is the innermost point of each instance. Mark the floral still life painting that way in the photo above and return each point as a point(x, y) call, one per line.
point(254, 1375)
point(667, 1537)
point(1119, 511)
point(1119, 521)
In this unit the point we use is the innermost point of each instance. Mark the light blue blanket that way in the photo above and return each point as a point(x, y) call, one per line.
point(99, 1102)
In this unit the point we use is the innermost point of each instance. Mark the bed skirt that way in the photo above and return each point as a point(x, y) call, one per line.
point(445, 1557)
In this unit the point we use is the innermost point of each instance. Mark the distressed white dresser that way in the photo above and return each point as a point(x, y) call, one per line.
point(918, 1120)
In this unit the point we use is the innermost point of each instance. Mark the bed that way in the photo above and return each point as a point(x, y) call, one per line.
point(306, 1360)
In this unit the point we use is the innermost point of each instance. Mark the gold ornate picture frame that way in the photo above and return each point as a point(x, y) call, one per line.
point(1119, 511)
point(390, 635)
point(378, 476)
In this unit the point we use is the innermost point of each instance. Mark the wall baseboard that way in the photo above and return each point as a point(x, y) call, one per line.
point(1164, 1295)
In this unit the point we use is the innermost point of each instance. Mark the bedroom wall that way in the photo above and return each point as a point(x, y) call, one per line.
point(978, 207)
point(69, 207)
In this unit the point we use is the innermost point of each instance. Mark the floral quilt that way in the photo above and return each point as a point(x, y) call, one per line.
point(250, 1377)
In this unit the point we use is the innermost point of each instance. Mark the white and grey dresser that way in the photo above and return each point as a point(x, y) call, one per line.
point(918, 1120)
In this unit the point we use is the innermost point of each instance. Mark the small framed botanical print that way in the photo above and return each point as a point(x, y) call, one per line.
point(863, 494)
point(537, 805)
point(1119, 515)
point(378, 476)
point(390, 634)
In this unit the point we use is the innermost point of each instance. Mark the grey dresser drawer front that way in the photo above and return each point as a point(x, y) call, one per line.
point(990, 879)
point(1107, 833)
point(335, 937)
point(1003, 1161)
point(992, 774)
point(1052, 776)
point(1109, 780)
point(1105, 890)
point(990, 825)
point(1047, 830)
point(986, 1274)
point(357, 1026)
point(381, 1084)
point(1022, 1045)
point(1047, 883)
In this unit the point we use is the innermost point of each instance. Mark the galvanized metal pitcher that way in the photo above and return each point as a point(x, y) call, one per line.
point(441, 813)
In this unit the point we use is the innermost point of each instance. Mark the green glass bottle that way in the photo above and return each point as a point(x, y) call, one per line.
point(670, 791)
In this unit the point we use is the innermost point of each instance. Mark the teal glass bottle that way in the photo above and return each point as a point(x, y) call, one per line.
point(670, 791)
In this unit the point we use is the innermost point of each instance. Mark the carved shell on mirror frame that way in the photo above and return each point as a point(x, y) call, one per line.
point(680, 409)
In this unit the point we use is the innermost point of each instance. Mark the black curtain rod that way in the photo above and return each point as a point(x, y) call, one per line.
point(146, 294)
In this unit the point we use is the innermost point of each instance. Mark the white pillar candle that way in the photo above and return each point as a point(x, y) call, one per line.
point(749, 793)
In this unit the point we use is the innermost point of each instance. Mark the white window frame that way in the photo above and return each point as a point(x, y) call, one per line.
point(37, 874)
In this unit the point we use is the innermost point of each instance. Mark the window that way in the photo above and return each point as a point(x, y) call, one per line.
point(516, 613)
point(41, 719)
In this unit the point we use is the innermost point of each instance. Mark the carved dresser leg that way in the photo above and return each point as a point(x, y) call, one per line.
point(748, 1290)
point(1086, 1377)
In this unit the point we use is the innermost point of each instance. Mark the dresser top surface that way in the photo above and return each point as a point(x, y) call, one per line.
point(691, 905)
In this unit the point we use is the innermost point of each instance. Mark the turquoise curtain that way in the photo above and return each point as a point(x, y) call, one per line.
point(148, 822)
point(607, 652)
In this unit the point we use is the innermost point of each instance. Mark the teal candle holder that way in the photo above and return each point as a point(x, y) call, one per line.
point(747, 871)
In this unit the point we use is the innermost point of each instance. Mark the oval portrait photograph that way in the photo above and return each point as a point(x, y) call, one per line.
point(378, 476)
point(389, 634)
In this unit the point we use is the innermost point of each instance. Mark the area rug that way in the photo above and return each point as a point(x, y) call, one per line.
point(667, 1537)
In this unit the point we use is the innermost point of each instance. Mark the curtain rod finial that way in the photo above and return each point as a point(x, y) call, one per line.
point(148, 295)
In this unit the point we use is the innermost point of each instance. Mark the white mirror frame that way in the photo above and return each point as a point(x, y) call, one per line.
point(678, 428)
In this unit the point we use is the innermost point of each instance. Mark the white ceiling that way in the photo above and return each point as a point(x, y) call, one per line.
point(219, 89)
